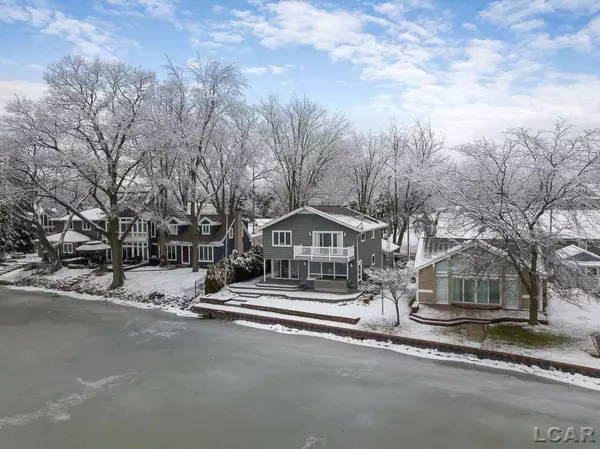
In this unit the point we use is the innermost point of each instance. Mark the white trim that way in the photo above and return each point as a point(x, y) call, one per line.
point(459, 248)
point(372, 234)
point(372, 259)
point(289, 261)
point(230, 232)
point(174, 249)
point(202, 227)
point(67, 245)
point(189, 253)
point(363, 237)
point(211, 222)
point(340, 235)
point(279, 244)
point(322, 214)
point(424, 290)
point(212, 253)
point(85, 226)
point(311, 274)
point(525, 296)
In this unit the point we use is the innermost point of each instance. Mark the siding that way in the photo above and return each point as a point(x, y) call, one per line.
point(427, 282)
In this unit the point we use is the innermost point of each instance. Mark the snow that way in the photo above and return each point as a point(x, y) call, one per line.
point(389, 246)
point(94, 214)
point(573, 379)
point(68, 273)
point(15, 275)
point(359, 223)
point(70, 237)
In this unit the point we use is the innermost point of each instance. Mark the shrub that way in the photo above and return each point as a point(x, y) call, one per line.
point(235, 268)
point(596, 340)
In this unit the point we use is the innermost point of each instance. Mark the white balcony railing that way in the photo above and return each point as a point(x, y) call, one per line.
point(323, 252)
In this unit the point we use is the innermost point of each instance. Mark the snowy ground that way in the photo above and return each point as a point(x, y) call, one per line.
point(565, 319)
point(175, 287)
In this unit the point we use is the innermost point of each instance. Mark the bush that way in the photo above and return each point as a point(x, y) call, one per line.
point(596, 340)
point(243, 267)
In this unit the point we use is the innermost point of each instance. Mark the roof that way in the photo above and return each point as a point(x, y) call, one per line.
point(94, 214)
point(578, 255)
point(388, 247)
point(70, 237)
point(342, 215)
point(433, 249)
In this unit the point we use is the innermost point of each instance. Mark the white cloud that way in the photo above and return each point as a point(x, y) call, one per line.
point(10, 88)
point(272, 69)
point(584, 40)
point(218, 9)
point(87, 37)
point(224, 36)
point(529, 25)
point(470, 26)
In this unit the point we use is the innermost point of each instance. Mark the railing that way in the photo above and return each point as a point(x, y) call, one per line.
point(324, 252)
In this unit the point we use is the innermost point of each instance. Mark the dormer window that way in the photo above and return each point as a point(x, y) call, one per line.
point(205, 229)
point(173, 229)
point(86, 226)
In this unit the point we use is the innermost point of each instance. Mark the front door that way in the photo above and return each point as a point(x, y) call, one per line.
point(359, 271)
point(185, 254)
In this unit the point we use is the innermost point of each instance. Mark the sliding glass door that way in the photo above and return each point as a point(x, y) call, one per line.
point(284, 269)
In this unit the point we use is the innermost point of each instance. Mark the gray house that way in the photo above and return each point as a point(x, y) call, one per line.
point(324, 247)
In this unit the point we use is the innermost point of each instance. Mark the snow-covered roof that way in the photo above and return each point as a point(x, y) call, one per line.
point(94, 214)
point(433, 249)
point(339, 214)
point(70, 237)
point(579, 256)
point(388, 246)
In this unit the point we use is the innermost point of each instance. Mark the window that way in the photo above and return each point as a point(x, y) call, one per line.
point(373, 234)
point(205, 253)
point(285, 269)
point(205, 229)
point(231, 232)
point(152, 230)
point(373, 260)
point(171, 253)
point(328, 270)
point(592, 271)
point(173, 229)
point(363, 237)
point(68, 248)
point(481, 291)
point(282, 238)
point(327, 239)
point(86, 226)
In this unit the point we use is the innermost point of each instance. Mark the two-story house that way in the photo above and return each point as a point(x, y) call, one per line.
point(324, 247)
point(219, 235)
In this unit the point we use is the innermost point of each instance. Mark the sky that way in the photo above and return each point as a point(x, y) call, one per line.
point(471, 68)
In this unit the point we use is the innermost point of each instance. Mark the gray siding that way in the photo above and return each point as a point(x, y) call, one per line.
point(301, 225)
point(369, 247)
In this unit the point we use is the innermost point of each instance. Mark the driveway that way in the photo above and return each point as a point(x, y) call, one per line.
point(80, 374)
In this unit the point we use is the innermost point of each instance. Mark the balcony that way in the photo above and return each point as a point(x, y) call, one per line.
point(324, 253)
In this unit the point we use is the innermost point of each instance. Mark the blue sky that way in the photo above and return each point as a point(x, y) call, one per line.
point(472, 68)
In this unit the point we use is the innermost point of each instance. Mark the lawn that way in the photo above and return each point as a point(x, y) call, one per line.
point(514, 334)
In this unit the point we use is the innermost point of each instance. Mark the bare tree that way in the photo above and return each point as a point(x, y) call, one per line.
point(206, 92)
point(304, 141)
point(392, 282)
point(512, 190)
point(416, 156)
point(87, 124)
point(367, 163)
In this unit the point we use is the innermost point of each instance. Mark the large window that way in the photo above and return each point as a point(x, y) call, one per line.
point(328, 270)
point(171, 252)
point(282, 238)
point(285, 269)
point(328, 239)
point(139, 228)
point(68, 248)
point(481, 291)
point(205, 254)
point(135, 250)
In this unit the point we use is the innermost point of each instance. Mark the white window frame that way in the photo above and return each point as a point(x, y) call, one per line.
point(363, 237)
point(69, 250)
point(203, 229)
point(231, 232)
point(152, 230)
point(200, 251)
point(173, 229)
point(312, 274)
point(171, 253)
point(85, 226)
point(290, 262)
point(373, 234)
point(340, 238)
point(279, 238)
point(373, 260)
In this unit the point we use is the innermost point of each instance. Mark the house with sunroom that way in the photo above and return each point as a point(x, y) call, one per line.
point(323, 247)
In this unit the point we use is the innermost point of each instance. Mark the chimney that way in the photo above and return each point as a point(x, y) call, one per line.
point(238, 231)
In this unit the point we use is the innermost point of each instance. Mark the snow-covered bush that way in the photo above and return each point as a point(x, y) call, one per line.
point(235, 268)
point(394, 282)
point(596, 340)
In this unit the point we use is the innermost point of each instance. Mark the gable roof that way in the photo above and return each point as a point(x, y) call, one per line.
point(432, 249)
point(94, 214)
point(578, 255)
point(339, 214)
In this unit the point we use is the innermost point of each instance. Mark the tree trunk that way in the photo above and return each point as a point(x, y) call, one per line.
point(116, 248)
point(51, 250)
point(401, 232)
point(397, 304)
point(162, 243)
point(534, 296)
point(195, 236)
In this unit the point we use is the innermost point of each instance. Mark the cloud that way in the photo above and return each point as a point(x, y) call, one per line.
point(529, 25)
point(224, 36)
point(87, 37)
point(10, 88)
point(272, 69)
point(470, 26)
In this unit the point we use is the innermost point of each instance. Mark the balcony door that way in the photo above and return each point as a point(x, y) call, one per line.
point(327, 240)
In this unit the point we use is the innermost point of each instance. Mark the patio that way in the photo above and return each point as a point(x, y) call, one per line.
point(448, 315)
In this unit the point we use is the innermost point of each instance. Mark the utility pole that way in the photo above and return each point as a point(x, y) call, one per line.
point(253, 200)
